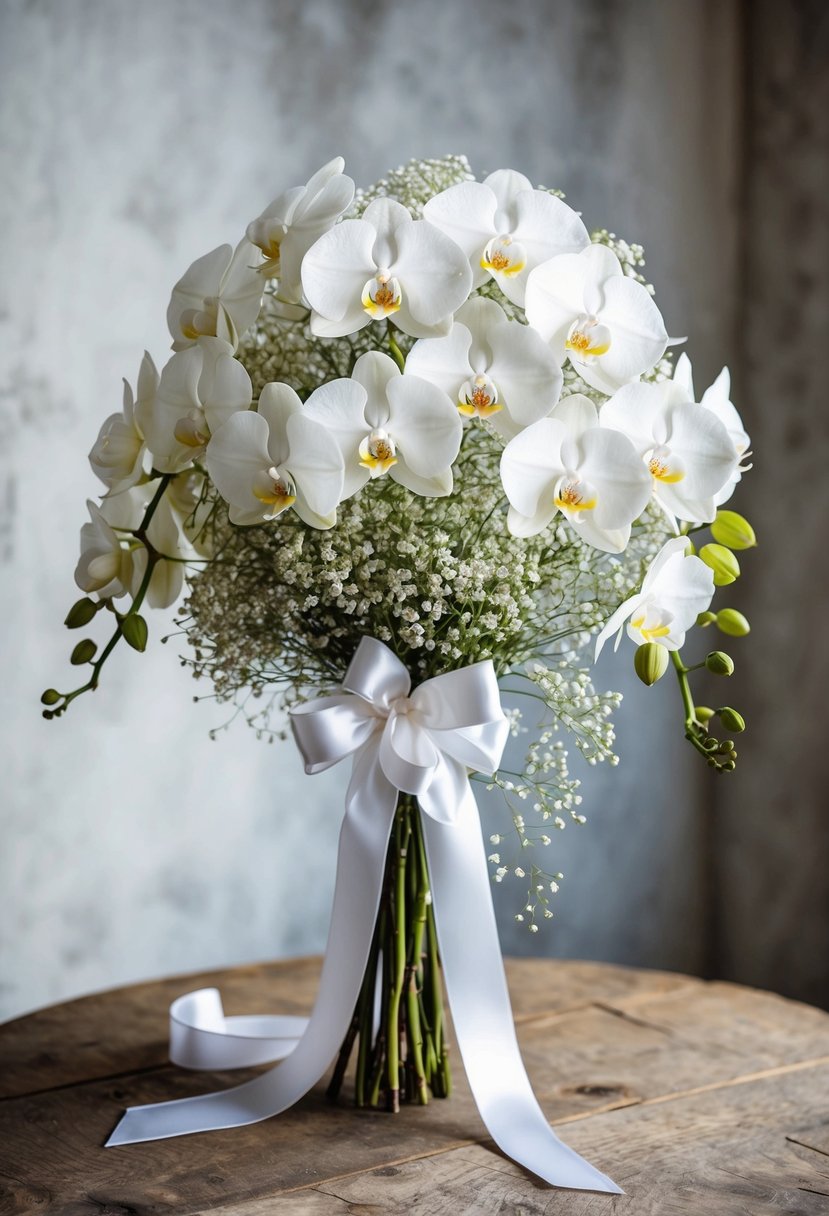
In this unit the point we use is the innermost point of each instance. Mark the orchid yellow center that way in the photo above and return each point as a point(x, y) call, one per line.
point(666, 467)
point(197, 323)
point(478, 396)
point(381, 296)
point(378, 453)
point(652, 624)
point(588, 338)
point(275, 489)
point(503, 255)
point(574, 495)
point(192, 430)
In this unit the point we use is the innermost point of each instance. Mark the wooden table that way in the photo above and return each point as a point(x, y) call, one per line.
point(700, 1098)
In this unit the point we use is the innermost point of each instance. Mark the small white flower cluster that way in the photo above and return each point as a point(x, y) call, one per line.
point(438, 412)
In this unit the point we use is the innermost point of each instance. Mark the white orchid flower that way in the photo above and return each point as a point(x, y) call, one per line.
point(717, 398)
point(591, 312)
point(686, 449)
point(384, 265)
point(125, 513)
point(675, 590)
point(506, 228)
point(105, 566)
point(287, 229)
point(119, 455)
point(490, 367)
point(266, 461)
point(387, 423)
point(198, 391)
point(218, 297)
point(568, 464)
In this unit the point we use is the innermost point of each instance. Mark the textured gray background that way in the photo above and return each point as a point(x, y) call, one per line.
point(136, 136)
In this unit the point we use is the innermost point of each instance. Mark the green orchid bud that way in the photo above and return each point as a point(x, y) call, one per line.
point(732, 721)
point(733, 530)
point(650, 662)
point(703, 714)
point(134, 629)
point(719, 663)
point(706, 618)
point(723, 562)
point(732, 622)
point(80, 614)
point(690, 548)
point(84, 652)
point(50, 697)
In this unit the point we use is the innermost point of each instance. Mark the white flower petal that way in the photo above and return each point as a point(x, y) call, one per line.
point(531, 463)
point(466, 213)
point(340, 408)
point(200, 281)
point(507, 185)
point(433, 271)
point(335, 270)
point(444, 362)
point(615, 622)
point(531, 525)
point(177, 396)
point(578, 413)
point(425, 425)
point(437, 486)
point(315, 462)
point(374, 371)
point(609, 461)
point(236, 454)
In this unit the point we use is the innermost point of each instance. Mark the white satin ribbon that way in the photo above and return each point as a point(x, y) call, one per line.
point(421, 742)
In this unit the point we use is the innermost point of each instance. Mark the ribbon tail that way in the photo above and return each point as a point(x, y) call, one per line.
point(476, 986)
point(364, 838)
point(201, 1037)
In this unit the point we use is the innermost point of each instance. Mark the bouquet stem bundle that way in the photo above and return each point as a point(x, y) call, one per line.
point(398, 1026)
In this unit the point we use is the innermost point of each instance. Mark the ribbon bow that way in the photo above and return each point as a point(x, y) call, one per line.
point(421, 742)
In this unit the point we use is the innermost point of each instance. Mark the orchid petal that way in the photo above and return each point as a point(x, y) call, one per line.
point(530, 465)
point(466, 213)
point(433, 271)
point(444, 362)
point(335, 270)
point(339, 407)
point(315, 462)
point(425, 425)
point(236, 454)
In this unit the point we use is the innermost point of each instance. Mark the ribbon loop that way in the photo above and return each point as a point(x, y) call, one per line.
point(422, 742)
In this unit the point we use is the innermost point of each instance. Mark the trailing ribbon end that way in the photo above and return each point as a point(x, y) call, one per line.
point(422, 742)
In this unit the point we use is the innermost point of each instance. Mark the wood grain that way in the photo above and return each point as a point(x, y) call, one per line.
point(696, 1097)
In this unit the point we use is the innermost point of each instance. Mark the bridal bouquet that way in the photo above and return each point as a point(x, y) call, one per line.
point(418, 449)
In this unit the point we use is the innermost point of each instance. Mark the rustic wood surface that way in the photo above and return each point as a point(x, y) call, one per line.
point(696, 1097)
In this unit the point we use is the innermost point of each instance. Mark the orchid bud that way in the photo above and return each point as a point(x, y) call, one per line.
point(732, 721)
point(719, 663)
point(84, 652)
point(50, 697)
point(733, 530)
point(650, 662)
point(81, 613)
point(723, 562)
point(706, 618)
point(703, 714)
point(134, 629)
point(732, 622)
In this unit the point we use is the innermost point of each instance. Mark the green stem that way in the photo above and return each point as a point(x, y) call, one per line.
point(402, 830)
point(152, 558)
point(396, 352)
